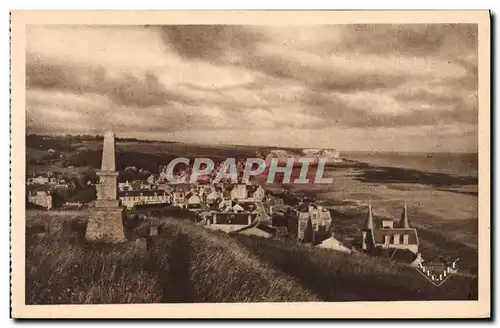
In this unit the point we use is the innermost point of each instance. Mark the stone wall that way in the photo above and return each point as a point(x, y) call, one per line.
point(106, 225)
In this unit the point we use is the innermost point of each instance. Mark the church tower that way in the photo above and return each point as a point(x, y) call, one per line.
point(405, 222)
point(367, 232)
point(106, 218)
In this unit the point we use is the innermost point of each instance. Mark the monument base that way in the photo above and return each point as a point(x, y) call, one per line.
point(106, 224)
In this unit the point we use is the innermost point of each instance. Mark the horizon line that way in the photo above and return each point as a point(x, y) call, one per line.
point(61, 135)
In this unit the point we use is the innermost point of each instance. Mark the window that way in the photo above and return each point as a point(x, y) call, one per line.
point(386, 240)
point(387, 224)
point(396, 239)
point(406, 239)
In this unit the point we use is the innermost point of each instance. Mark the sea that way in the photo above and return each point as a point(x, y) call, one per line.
point(461, 164)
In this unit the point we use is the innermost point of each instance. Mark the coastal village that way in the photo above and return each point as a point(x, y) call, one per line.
point(248, 209)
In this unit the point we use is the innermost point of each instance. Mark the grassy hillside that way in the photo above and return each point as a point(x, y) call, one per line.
point(188, 263)
point(336, 276)
point(212, 267)
point(62, 269)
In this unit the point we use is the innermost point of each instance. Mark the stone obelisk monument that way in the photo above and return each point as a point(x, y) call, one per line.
point(106, 218)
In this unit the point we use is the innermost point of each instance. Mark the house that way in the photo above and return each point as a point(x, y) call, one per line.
point(237, 207)
point(133, 186)
point(386, 236)
point(63, 184)
point(137, 197)
point(262, 213)
point(193, 201)
point(258, 194)
point(224, 205)
point(272, 202)
point(183, 187)
point(254, 193)
point(239, 192)
point(41, 198)
point(151, 179)
point(41, 180)
point(245, 207)
point(257, 229)
point(320, 218)
point(212, 197)
point(204, 216)
point(179, 199)
point(229, 221)
point(334, 244)
point(227, 205)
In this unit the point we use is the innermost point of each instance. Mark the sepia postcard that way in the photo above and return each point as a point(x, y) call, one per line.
point(250, 164)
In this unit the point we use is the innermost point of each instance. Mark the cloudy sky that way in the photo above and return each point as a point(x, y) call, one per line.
point(350, 87)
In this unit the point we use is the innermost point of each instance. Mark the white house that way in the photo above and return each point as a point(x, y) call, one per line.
point(140, 197)
point(213, 196)
point(239, 191)
point(41, 180)
point(41, 198)
point(193, 201)
point(259, 194)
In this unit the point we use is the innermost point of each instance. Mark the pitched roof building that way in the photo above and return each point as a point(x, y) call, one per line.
point(41, 198)
point(387, 236)
point(258, 229)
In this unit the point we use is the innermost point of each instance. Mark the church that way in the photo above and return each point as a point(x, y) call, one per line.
point(386, 236)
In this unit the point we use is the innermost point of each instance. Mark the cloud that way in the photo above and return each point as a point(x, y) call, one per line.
point(124, 88)
point(410, 39)
point(247, 82)
point(208, 42)
point(348, 57)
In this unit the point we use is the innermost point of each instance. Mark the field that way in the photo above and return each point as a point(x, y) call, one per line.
point(187, 263)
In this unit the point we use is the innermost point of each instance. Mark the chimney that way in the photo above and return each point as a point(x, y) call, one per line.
point(404, 223)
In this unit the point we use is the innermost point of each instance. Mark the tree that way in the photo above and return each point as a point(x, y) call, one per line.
point(84, 195)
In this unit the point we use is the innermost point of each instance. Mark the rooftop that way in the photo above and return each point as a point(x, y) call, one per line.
point(136, 193)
